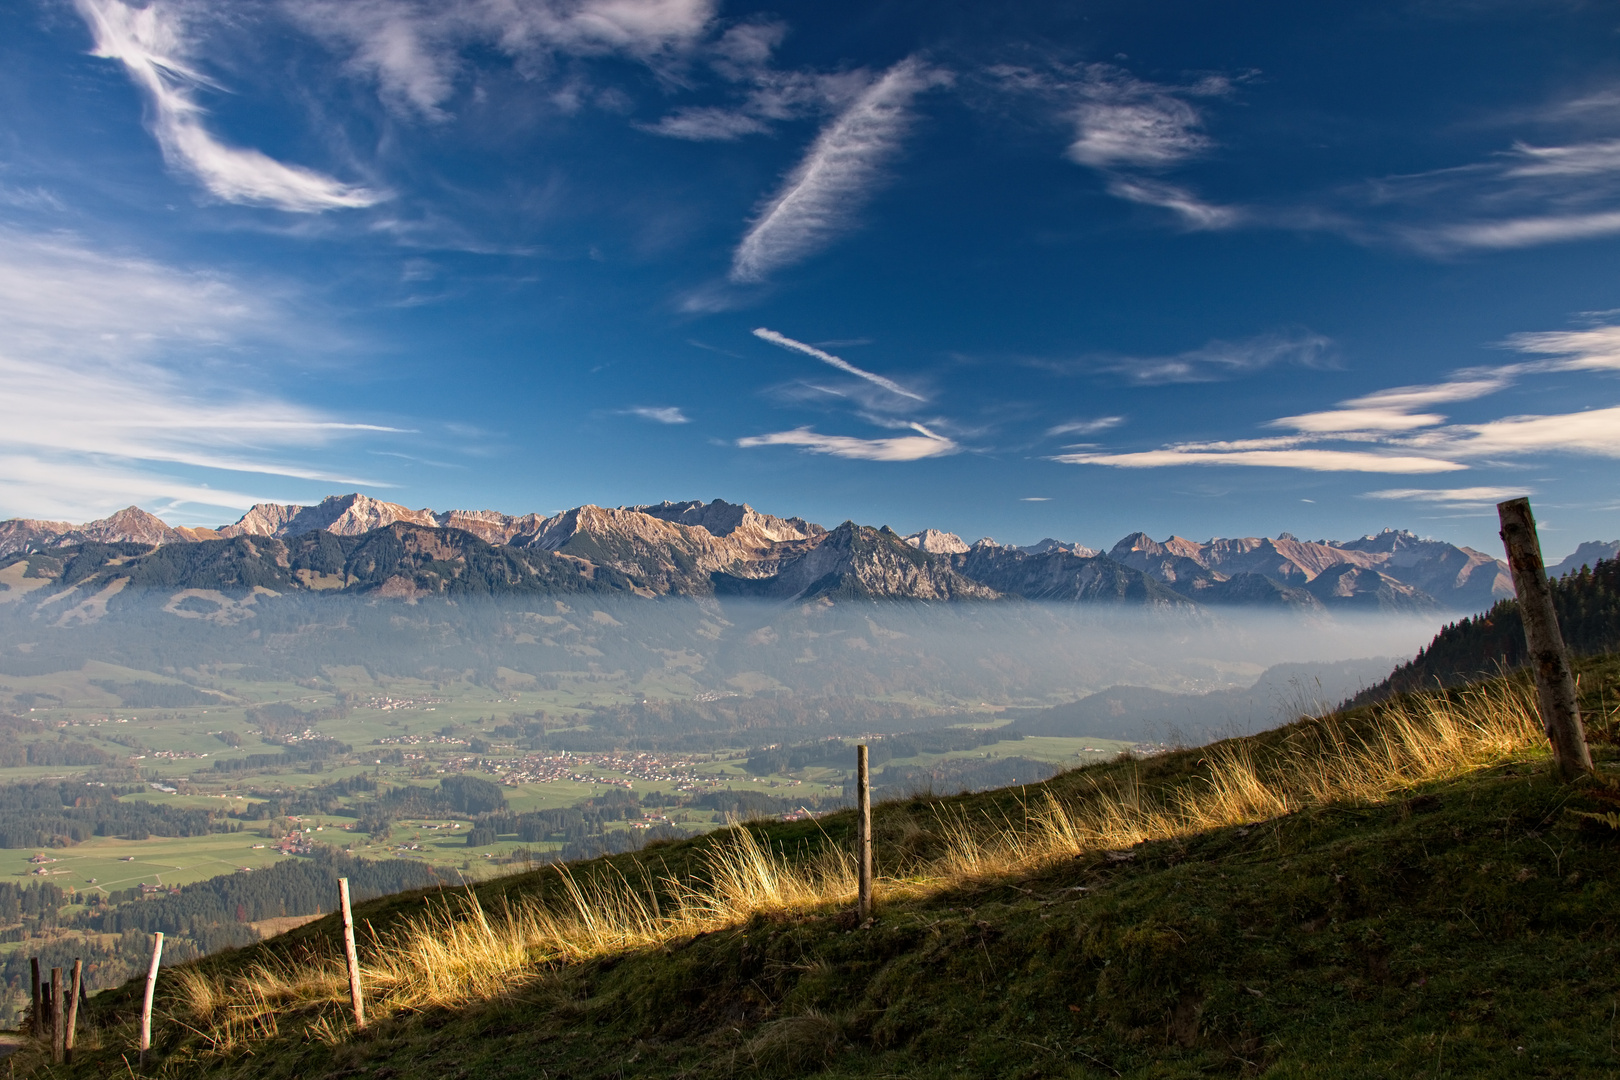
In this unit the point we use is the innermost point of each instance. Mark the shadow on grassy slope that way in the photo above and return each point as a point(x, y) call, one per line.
point(1391, 892)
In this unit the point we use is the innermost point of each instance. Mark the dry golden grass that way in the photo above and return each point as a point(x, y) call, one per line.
point(458, 951)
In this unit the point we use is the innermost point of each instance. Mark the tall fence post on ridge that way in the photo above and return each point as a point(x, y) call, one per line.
point(146, 1005)
point(77, 988)
point(863, 836)
point(355, 995)
point(58, 1023)
point(1555, 682)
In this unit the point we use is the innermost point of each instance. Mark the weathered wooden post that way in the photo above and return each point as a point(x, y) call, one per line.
point(863, 836)
point(1555, 682)
point(35, 1021)
point(355, 995)
point(73, 1010)
point(146, 1004)
point(58, 1026)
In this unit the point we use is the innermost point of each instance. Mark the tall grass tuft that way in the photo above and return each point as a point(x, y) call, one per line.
point(459, 951)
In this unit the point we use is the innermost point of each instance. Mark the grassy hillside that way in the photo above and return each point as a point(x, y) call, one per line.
point(1398, 891)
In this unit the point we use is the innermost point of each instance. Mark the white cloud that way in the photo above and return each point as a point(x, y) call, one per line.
point(1451, 495)
point(1130, 130)
point(1597, 349)
point(658, 414)
point(1195, 213)
point(763, 95)
point(1086, 427)
point(842, 365)
point(1349, 420)
point(412, 48)
point(1395, 437)
point(823, 193)
point(1311, 459)
point(1593, 431)
point(925, 444)
point(707, 124)
point(1125, 121)
point(1391, 410)
point(1523, 231)
point(1521, 197)
point(398, 44)
point(57, 490)
point(1225, 359)
point(1582, 159)
point(150, 43)
point(120, 367)
point(1474, 385)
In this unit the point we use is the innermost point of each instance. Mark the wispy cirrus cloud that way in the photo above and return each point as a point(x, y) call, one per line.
point(1312, 459)
point(1594, 349)
point(1392, 410)
point(1131, 131)
point(1398, 430)
point(924, 444)
point(119, 368)
point(764, 95)
point(1450, 496)
point(1220, 360)
point(841, 364)
point(413, 48)
point(658, 414)
point(1523, 196)
point(1086, 427)
point(151, 44)
point(824, 192)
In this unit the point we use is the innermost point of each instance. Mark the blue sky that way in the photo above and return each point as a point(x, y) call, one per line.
point(1072, 270)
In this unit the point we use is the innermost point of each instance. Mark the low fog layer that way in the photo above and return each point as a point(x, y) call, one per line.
point(965, 657)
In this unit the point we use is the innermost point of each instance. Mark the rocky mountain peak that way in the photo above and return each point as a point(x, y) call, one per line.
point(733, 520)
point(937, 543)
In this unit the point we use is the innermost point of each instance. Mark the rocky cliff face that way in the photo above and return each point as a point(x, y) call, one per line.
point(1394, 570)
point(340, 515)
point(1060, 575)
point(937, 543)
point(854, 562)
point(740, 523)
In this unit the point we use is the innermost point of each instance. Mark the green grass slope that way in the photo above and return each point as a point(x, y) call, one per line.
point(1466, 927)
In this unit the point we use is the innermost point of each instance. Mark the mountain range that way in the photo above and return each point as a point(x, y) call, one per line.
point(354, 543)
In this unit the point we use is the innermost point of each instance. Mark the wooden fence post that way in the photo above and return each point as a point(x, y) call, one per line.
point(355, 995)
point(73, 1009)
point(35, 1021)
point(863, 836)
point(58, 1026)
point(1555, 682)
point(146, 1005)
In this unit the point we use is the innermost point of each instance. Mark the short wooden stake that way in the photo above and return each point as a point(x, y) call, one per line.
point(146, 1004)
point(355, 995)
point(863, 836)
point(36, 1022)
point(73, 1010)
point(58, 1025)
point(1555, 682)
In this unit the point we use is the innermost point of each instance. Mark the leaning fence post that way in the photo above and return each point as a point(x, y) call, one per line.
point(1555, 682)
point(58, 1026)
point(863, 836)
point(146, 1005)
point(73, 1009)
point(354, 959)
point(35, 1021)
